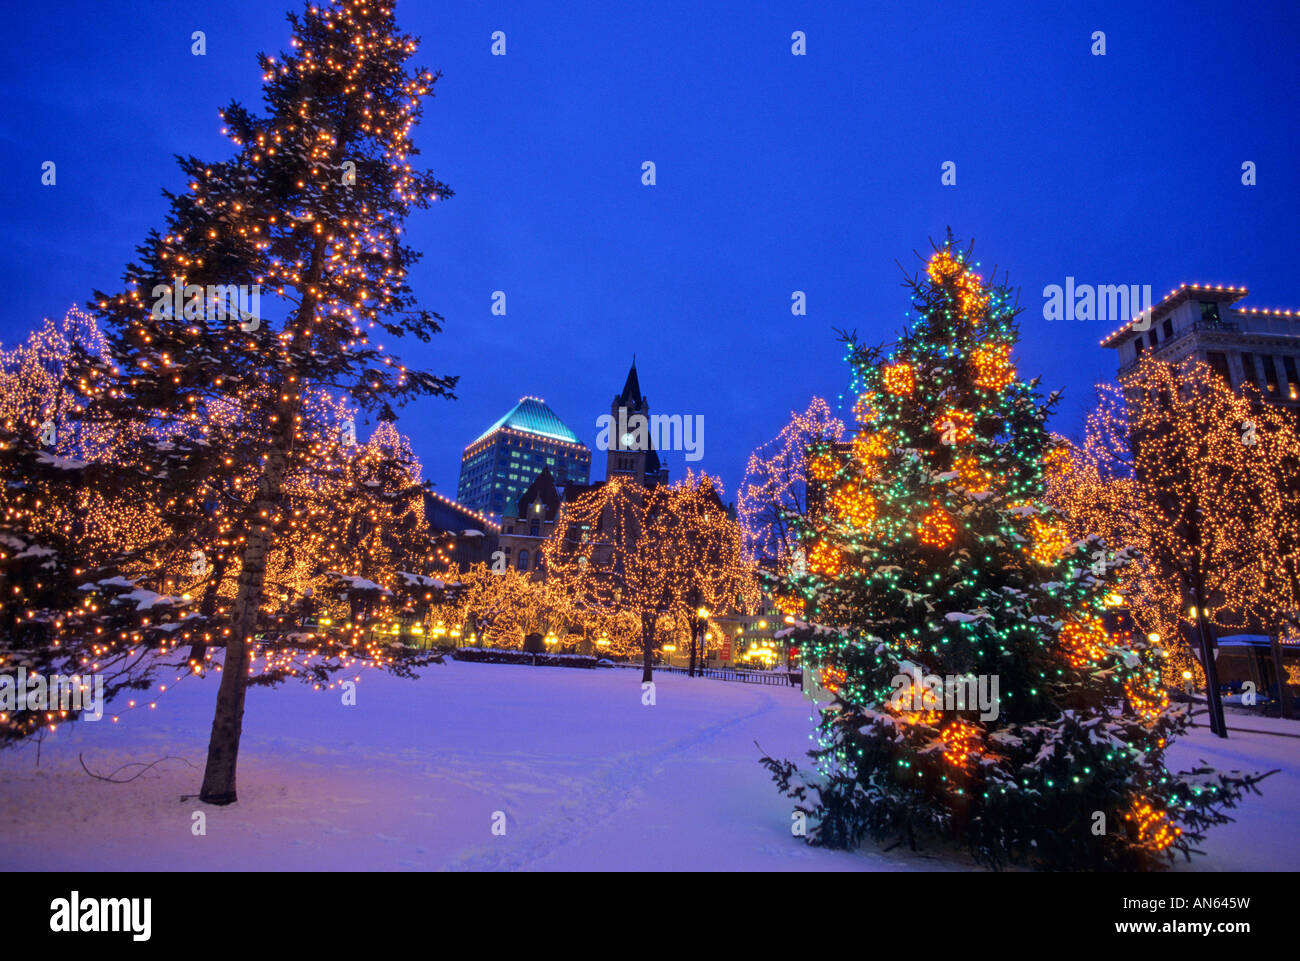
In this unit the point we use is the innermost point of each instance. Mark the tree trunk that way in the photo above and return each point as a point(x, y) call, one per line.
point(228, 720)
point(691, 672)
point(1218, 724)
point(647, 645)
point(1283, 699)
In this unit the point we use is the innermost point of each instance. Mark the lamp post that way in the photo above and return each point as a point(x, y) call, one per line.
point(701, 622)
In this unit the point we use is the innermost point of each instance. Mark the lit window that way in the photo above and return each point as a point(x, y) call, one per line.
point(1293, 382)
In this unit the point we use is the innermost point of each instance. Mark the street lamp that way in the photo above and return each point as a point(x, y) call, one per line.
point(702, 622)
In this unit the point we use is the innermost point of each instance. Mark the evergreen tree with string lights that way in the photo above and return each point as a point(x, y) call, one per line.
point(930, 569)
point(69, 511)
point(309, 211)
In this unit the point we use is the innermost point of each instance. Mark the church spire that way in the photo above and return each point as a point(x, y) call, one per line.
point(631, 450)
point(631, 396)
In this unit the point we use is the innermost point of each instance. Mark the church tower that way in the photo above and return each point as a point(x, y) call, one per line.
point(631, 444)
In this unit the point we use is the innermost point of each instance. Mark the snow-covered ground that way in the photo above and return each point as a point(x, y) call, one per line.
point(410, 777)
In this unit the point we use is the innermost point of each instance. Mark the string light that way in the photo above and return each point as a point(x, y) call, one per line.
point(936, 528)
point(898, 379)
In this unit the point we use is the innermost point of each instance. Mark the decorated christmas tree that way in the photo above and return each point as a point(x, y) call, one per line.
point(978, 688)
point(278, 278)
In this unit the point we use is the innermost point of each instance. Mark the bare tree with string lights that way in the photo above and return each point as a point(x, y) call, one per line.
point(1189, 485)
point(775, 487)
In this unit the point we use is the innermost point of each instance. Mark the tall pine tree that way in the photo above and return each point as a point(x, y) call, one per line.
point(932, 572)
point(271, 280)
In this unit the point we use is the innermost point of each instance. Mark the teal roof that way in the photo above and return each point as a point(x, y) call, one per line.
point(532, 416)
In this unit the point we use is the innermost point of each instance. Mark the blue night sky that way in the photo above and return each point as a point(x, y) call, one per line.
point(775, 173)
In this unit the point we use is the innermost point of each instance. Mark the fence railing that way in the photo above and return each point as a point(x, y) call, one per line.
point(777, 678)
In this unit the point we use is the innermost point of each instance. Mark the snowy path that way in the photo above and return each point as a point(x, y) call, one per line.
point(409, 778)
